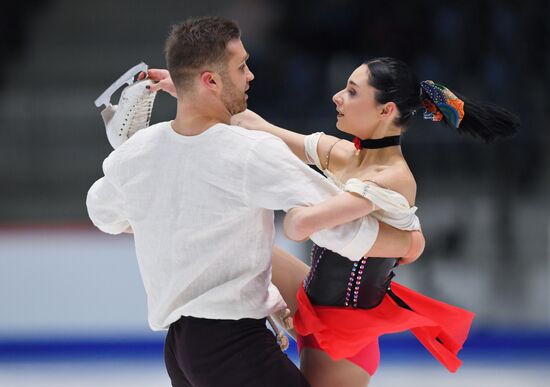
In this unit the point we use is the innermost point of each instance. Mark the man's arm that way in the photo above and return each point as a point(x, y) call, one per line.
point(276, 179)
point(105, 203)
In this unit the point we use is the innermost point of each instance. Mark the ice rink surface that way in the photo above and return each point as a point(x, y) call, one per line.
point(152, 374)
point(79, 339)
point(46, 353)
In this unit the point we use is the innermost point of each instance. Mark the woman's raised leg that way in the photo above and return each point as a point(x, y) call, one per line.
point(321, 371)
point(288, 274)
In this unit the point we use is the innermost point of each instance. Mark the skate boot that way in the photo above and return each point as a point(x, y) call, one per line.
point(133, 111)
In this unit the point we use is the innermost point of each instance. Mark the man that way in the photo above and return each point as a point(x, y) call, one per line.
point(199, 196)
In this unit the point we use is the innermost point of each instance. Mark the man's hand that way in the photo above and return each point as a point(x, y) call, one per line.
point(162, 81)
point(418, 243)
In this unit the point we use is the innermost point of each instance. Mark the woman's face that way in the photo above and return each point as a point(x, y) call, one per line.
point(358, 111)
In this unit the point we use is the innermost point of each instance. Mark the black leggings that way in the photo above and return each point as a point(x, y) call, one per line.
point(217, 353)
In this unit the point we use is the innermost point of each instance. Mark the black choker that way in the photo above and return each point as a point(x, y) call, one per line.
point(376, 143)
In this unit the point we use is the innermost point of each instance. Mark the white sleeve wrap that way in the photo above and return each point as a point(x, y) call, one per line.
point(351, 240)
point(395, 208)
point(310, 148)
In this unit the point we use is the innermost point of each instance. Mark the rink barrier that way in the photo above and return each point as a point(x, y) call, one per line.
point(482, 345)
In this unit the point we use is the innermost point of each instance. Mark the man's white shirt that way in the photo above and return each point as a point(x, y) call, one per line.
point(201, 209)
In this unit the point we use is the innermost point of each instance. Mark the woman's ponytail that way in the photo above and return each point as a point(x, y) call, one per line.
point(482, 120)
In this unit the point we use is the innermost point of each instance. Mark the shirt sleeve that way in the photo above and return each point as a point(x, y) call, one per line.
point(276, 179)
point(105, 202)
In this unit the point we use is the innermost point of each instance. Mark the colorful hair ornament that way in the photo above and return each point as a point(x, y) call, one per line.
point(440, 102)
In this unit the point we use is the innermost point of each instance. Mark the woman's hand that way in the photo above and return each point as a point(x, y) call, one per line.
point(418, 243)
point(162, 81)
point(248, 120)
point(295, 225)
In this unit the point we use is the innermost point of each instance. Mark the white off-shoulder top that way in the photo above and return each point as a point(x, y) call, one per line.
point(392, 207)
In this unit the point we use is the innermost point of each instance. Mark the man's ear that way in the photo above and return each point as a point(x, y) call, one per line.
point(210, 80)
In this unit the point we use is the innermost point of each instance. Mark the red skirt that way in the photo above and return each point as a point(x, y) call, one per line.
point(343, 331)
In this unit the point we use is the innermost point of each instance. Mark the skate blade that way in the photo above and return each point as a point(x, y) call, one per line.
point(126, 78)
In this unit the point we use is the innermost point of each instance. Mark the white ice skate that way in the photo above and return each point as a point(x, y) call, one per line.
point(133, 111)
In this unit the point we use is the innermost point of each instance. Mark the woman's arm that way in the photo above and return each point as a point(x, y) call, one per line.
point(301, 222)
point(250, 120)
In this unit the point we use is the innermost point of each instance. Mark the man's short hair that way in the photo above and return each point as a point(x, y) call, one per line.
point(197, 43)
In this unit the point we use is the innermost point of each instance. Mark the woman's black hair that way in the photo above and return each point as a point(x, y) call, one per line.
point(395, 82)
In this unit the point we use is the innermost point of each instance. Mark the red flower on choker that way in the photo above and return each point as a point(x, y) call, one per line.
point(357, 143)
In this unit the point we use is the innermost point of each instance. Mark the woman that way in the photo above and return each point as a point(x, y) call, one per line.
point(344, 306)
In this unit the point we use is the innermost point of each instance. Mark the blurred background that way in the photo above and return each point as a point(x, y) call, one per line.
point(72, 306)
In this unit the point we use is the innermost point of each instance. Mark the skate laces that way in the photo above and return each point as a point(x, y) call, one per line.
point(138, 114)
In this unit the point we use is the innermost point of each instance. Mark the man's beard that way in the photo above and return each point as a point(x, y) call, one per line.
point(233, 100)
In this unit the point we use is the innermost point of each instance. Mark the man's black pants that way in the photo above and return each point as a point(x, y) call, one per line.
point(225, 353)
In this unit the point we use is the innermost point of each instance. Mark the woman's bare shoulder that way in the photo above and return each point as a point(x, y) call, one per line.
point(398, 178)
point(334, 152)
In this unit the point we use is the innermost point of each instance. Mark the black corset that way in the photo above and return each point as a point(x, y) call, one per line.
point(336, 281)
